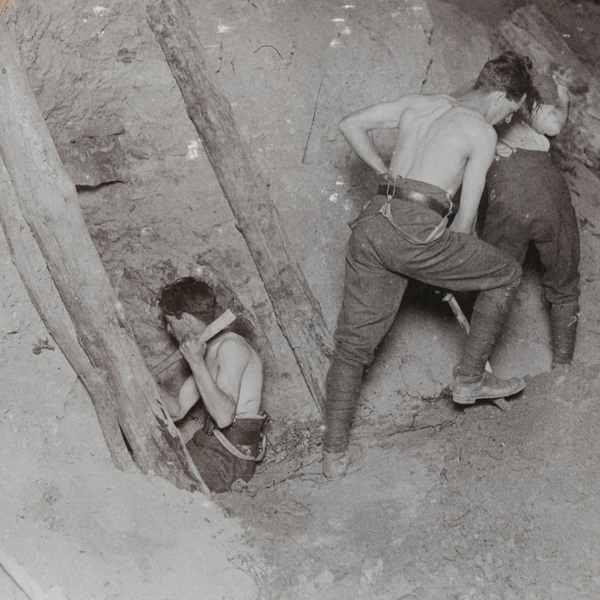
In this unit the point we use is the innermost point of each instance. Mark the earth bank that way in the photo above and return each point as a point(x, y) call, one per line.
point(448, 504)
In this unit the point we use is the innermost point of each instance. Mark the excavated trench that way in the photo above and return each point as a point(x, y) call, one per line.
point(449, 503)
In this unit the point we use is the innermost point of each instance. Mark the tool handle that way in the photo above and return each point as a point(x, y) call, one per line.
point(457, 310)
point(20, 576)
point(501, 403)
point(3, 4)
point(226, 319)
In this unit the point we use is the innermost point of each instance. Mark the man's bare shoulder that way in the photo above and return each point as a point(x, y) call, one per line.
point(231, 346)
point(425, 100)
point(472, 124)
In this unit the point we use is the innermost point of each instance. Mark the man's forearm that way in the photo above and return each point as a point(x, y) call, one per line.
point(219, 404)
point(360, 141)
point(464, 223)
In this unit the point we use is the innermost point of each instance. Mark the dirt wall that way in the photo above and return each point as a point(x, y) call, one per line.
point(290, 72)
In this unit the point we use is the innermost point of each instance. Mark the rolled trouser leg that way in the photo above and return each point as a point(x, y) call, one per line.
point(489, 315)
point(343, 388)
point(563, 325)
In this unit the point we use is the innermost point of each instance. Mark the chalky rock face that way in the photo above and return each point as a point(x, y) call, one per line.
point(149, 195)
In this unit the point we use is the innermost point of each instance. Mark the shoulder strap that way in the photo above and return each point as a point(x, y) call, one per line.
point(233, 450)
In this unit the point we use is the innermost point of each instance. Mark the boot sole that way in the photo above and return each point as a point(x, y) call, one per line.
point(466, 400)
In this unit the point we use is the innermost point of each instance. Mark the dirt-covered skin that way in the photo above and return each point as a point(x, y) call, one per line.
point(447, 503)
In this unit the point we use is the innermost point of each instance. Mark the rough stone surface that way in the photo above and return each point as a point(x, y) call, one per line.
point(448, 503)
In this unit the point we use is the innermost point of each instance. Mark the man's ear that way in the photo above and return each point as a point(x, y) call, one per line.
point(498, 96)
point(185, 317)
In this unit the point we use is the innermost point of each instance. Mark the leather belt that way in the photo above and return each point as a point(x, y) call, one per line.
point(427, 201)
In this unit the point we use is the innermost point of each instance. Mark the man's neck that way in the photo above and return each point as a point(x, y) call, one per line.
point(474, 101)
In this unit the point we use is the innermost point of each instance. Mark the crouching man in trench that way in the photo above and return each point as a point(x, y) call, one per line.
point(442, 142)
point(227, 376)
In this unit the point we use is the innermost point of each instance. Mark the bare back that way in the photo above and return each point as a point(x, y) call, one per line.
point(230, 353)
point(435, 140)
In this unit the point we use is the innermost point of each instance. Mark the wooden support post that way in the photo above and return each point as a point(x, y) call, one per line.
point(3, 4)
point(298, 312)
point(66, 281)
point(529, 33)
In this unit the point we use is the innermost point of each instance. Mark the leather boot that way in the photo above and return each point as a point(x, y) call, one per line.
point(343, 387)
point(471, 381)
point(563, 326)
point(486, 387)
point(338, 464)
point(342, 390)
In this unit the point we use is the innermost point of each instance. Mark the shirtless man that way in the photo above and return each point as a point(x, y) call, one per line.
point(227, 376)
point(442, 142)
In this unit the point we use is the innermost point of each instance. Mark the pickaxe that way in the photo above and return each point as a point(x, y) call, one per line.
point(226, 319)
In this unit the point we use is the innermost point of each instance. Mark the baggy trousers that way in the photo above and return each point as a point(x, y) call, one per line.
point(529, 200)
point(384, 250)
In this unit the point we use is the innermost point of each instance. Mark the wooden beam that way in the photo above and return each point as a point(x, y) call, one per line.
point(3, 4)
point(528, 32)
point(298, 312)
point(64, 276)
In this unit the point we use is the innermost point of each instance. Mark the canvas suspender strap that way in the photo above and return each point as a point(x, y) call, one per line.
point(233, 450)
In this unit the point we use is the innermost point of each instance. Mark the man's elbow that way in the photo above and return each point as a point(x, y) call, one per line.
point(343, 126)
point(225, 420)
point(349, 125)
point(553, 125)
point(552, 129)
point(225, 417)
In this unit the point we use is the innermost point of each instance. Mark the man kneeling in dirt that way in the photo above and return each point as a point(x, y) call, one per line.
point(227, 376)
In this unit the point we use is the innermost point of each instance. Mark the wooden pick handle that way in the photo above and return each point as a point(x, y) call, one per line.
point(226, 319)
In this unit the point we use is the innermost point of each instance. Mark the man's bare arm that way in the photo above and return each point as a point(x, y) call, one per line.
point(356, 126)
point(478, 163)
point(221, 394)
point(552, 122)
point(175, 407)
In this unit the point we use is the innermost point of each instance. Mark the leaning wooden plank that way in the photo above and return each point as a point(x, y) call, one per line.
point(31, 265)
point(98, 342)
point(528, 32)
point(298, 312)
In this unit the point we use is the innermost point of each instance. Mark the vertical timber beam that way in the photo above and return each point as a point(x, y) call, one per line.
point(298, 312)
point(46, 232)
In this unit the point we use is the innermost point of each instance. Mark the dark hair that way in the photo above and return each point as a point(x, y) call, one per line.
point(188, 295)
point(509, 73)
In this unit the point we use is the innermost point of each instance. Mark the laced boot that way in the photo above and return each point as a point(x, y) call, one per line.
point(563, 325)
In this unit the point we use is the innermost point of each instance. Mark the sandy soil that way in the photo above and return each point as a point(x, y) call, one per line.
point(448, 503)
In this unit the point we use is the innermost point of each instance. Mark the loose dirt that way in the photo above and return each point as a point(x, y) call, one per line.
point(448, 503)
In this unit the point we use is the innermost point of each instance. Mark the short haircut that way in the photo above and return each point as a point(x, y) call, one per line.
point(509, 73)
point(188, 295)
